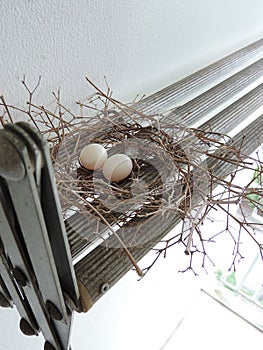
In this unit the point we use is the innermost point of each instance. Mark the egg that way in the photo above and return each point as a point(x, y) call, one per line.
point(117, 167)
point(93, 156)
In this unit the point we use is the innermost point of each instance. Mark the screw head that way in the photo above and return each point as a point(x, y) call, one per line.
point(104, 288)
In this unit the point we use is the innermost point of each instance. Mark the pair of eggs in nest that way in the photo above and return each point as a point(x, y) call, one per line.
point(115, 168)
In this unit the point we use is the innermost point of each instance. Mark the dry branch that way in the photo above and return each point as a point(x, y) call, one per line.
point(175, 174)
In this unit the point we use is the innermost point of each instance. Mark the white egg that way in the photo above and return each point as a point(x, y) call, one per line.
point(93, 156)
point(117, 167)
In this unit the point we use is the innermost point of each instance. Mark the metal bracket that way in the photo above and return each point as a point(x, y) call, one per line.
point(35, 260)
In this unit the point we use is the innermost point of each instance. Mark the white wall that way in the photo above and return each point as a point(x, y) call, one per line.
point(140, 46)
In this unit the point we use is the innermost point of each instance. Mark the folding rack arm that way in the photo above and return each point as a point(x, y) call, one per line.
point(35, 263)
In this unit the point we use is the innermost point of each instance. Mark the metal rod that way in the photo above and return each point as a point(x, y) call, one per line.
point(81, 231)
point(225, 121)
point(107, 266)
point(192, 85)
point(220, 96)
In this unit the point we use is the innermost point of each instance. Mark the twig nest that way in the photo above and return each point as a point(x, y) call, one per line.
point(93, 156)
point(117, 167)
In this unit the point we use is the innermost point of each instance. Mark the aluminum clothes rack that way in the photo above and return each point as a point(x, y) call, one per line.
point(218, 97)
point(46, 271)
point(37, 274)
point(200, 81)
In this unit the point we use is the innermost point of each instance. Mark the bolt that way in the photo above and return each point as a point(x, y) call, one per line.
point(104, 288)
point(4, 302)
point(53, 311)
point(26, 328)
point(19, 277)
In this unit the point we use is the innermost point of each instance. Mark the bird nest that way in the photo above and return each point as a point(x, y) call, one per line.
point(173, 177)
point(158, 164)
point(160, 181)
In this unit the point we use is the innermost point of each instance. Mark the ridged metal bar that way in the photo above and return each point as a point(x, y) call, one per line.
point(81, 231)
point(236, 113)
point(204, 78)
point(247, 141)
point(108, 266)
point(234, 87)
point(219, 97)
point(225, 121)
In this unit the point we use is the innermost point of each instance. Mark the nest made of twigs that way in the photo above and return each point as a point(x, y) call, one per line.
point(158, 167)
